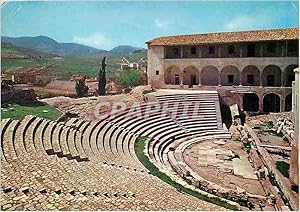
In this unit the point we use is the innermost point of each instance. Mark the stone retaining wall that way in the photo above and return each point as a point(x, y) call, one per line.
point(26, 95)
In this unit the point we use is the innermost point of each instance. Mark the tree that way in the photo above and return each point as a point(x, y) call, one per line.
point(102, 78)
point(81, 88)
point(129, 78)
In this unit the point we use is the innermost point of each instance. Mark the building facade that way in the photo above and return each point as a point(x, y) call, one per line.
point(294, 164)
point(254, 69)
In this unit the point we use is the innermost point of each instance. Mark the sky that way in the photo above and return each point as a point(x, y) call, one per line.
point(106, 25)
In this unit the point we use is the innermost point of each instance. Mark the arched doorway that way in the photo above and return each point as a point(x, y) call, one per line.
point(226, 115)
point(288, 103)
point(271, 103)
point(272, 76)
point(289, 75)
point(173, 76)
point(251, 76)
point(250, 102)
point(230, 75)
point(190, 76)
point(210, 76)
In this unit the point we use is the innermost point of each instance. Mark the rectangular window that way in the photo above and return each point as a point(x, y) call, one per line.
point(230, 49)
point(176, 51)
point(292, 48)
point(251, 50)
point(157, 72)
point(211, 50)
point(230, 79)
point(176, 79)
point(193, 50)
point(250, 79)
point(270, 80)
point(271, 47)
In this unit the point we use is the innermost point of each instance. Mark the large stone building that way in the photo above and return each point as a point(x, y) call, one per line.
point(253, 69)
point(294, 173)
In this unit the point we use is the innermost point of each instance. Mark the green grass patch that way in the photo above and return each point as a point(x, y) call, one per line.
point(283, 167)
point(139, 151)
point(18, 111)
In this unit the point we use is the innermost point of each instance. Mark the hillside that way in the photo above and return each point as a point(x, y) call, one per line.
point(123, 49)
point(65, 59)
point(14, 58)
point(50, 46)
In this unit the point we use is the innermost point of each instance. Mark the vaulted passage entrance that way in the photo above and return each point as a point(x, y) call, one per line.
point(209, 75)
point(288, 103)
point(190, 76)
point(250, 76)
point(271, 103)
point(272, 76)
point(250, 102)
point(230, 75)
point(289, 75)
point(173, 75)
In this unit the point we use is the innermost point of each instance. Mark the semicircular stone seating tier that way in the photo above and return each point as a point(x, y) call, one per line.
point(92, 165)
point(39, 174)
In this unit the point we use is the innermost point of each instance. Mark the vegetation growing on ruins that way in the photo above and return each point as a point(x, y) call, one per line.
point(129, 78)
point(148, 91)
point(275, 183)
point(139, 151)
point(295, 188)
point(269, 124)
point(283, 167)
point(18, 111)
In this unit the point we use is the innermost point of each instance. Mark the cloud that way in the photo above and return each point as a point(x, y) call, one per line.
point(162, 24)
point(97, 39)
point(246, 22)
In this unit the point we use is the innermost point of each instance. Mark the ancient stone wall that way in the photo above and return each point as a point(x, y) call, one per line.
point(12, 95)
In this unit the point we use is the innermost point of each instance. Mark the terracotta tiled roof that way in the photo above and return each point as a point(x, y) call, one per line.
point(227, 37)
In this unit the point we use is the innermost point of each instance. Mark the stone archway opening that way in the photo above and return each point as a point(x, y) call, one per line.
point(271, 103)
point(230, 75)
point(250, 102)
point(190, 76)
point(289, 75)
point(272, 76)
point(173, 76)
point(209, 76)
point(251, 76)
point(288, 103)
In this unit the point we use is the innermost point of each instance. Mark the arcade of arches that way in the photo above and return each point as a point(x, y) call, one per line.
point(270, 102)
point(270, 76)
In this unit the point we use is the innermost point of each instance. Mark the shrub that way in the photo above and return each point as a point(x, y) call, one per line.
point(81, 88)
point(283, 167)
point(295, 188)
point(129, 78)
point(269, 124)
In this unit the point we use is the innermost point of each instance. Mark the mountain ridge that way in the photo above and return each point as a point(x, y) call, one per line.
point(50, 46)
